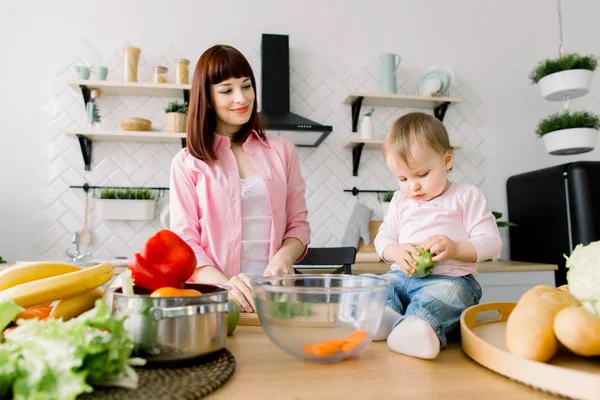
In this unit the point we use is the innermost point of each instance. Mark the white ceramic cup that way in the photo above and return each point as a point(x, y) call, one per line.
point(164, 217)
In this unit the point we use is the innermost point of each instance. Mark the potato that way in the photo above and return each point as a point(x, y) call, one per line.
point(530, 326)
point(578, 330)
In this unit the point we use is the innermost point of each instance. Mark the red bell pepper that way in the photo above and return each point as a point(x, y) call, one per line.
point(164, 261)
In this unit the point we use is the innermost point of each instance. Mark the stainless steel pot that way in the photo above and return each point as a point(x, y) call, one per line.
point(168, 329)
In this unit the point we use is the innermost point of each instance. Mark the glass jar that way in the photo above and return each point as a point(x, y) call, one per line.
point(92, 111)
point(132, 59)
point(159, 74)
point(182, 71)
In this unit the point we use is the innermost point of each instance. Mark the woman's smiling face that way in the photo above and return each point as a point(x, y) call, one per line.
point(233, 102)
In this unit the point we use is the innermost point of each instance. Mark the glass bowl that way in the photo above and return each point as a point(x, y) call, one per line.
point(320, 318)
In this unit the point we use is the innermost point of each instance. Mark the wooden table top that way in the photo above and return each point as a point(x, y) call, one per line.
point(263, 371)
point(371, 263)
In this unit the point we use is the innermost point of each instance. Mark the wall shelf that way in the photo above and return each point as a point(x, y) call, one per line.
point(439, 105)
point(87, 136)
point(358, 144)
point(131, 89)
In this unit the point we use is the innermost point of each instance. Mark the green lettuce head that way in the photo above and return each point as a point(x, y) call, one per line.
point(583, 275)
point(425, 263)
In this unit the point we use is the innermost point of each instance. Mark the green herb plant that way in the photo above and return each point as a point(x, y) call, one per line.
point(177, 107)
point(501, 224)
point(126, 194)
point(387, 197)
point(567, 120)
point(566, 62)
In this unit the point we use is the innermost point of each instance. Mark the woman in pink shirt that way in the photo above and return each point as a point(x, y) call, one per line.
point(451, 220)
point(236, 195)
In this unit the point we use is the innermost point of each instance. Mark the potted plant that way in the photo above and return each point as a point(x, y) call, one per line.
point(385, 205)
point(502, 224)
point(569, 133)
point(126, 204)
point(567, 77)
point(176, 116)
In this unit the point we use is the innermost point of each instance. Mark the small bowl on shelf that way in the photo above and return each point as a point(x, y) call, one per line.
point(135, 124)
point(320, 318)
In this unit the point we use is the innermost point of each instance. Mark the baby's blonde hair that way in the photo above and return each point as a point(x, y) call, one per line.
point(415, 127)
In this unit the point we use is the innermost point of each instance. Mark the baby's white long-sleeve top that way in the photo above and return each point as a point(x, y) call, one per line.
point(461, 213)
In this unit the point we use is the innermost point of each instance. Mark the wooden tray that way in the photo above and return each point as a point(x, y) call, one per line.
point(565, 375)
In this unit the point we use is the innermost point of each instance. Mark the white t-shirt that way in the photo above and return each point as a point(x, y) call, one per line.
point(256, 226)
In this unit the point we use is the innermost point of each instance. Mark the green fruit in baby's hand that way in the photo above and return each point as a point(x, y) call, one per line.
point(233, 317)
point(425, 263)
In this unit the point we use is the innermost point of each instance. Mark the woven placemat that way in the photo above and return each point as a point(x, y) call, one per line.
point(189, 382)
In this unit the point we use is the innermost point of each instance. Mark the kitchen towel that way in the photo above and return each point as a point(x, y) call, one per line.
point(358, 226)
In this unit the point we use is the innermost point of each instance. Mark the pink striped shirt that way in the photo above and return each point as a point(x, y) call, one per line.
point(205, 199)
point(460, 214)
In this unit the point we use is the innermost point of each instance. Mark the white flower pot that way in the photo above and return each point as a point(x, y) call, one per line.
point(570, 141)
point(570, 84)
point(129, 210)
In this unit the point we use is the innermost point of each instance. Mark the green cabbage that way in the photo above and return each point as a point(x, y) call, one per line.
point(425, 263)
point(583, 275)
point(60, 360)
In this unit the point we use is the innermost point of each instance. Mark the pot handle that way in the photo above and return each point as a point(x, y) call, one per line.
point(159, 313)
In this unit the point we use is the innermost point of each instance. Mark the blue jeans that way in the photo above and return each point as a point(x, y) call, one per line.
point(438, 299)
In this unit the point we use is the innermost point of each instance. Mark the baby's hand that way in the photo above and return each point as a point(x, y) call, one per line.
point(400, 254)
point(442, 246)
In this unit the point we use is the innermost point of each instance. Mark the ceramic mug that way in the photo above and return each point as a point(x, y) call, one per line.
point(164, 217)
point(388, 64)
point(82, 72)
point(99, 73)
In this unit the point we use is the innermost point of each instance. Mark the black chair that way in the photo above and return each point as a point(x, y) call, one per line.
point(328, 256)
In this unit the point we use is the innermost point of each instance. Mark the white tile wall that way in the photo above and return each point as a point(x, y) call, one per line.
point(318, 88)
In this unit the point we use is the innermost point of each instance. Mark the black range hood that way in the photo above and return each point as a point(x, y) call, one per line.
point(275, 112)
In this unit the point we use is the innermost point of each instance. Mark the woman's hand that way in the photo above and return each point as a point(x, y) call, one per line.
point(442, 247)
point(241, 292)
point(279, 265)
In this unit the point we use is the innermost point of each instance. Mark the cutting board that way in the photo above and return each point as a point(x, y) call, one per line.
point(322, 315)
point(249, 319)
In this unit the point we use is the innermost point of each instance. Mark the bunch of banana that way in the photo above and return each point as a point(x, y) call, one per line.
point(75, 289)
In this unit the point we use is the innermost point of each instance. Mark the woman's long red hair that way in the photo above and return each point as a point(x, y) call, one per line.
point(216, 65)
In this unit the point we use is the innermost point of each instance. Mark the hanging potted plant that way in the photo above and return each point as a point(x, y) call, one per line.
point(128, 204)
point(176, 116)
point(385, 204)
point(567, 77)
point(567, 133)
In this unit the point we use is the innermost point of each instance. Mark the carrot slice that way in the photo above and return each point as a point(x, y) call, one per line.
point(354, 340)
point(330, 347)
point(40, 312)
point(359, 335)
point(323, 349)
